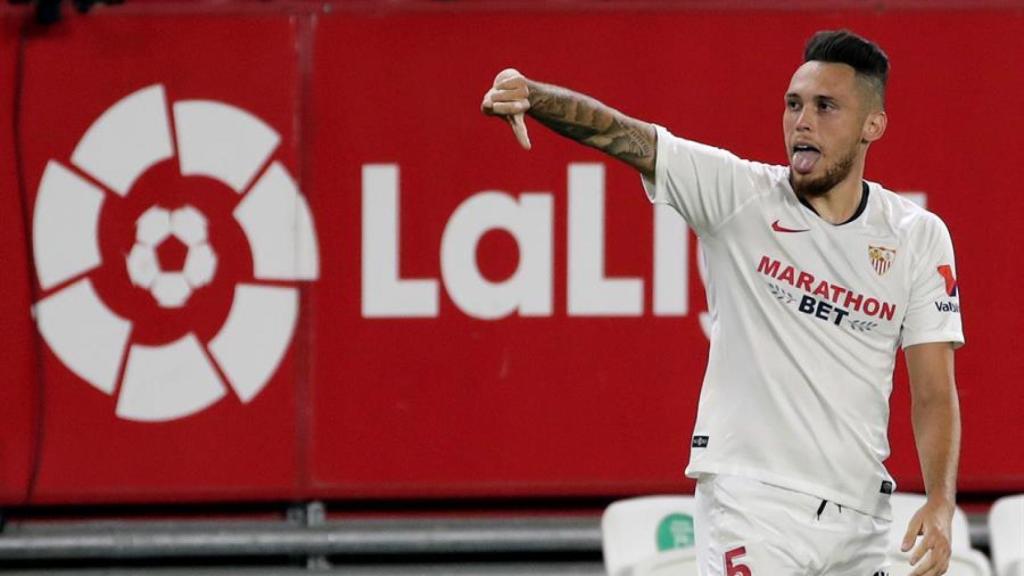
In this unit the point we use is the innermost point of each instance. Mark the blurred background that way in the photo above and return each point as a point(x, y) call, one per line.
point(278, 297)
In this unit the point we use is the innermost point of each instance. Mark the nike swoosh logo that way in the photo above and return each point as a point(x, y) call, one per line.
point(778, 228)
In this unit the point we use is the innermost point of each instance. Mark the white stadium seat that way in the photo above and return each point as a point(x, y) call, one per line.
point(1006, 535)
point(678, 562)
point(961, 563)
point(905, 505)
point(965, 561)
point(653, 533)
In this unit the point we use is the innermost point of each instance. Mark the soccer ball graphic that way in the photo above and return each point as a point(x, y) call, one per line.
point(109, 347)
point(171, 288)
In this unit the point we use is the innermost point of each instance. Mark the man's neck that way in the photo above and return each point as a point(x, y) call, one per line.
point(839, 204)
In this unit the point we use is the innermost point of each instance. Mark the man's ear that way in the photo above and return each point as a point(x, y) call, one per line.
point(874, 126)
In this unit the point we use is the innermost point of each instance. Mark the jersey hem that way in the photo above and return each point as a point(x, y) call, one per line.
point(655, 187)
point(956, 338)
point(876, 509)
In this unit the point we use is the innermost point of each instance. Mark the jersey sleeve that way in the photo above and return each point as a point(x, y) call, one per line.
point(933, 314)
point(706, 185)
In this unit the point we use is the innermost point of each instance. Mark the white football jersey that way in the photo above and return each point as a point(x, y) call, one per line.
point(806, 320)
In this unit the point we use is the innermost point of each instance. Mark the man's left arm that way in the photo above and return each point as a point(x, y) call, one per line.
point(936, 420)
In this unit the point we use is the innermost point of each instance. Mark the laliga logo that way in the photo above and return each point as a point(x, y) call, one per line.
point(169, 252)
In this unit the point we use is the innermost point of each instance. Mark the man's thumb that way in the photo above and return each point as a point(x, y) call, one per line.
point(518, 124)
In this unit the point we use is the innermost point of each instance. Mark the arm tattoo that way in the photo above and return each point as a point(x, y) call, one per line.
point(588, 121)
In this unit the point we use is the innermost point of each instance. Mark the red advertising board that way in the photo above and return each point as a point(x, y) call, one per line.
point(417, 392)
point(130, 143)
point(278, 253)
point(19, 411)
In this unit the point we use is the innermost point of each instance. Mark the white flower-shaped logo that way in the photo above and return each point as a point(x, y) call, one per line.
point(208, 139)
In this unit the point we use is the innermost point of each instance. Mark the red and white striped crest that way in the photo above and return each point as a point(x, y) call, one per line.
point(881, 258)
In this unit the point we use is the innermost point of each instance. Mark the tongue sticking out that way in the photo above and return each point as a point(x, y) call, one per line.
point(804, 160)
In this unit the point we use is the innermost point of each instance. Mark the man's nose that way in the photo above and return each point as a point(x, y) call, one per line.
point(805, 121)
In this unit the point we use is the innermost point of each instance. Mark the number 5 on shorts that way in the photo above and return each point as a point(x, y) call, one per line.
point(733, 569)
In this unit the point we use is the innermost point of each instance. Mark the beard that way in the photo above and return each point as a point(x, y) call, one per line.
point(832, 177)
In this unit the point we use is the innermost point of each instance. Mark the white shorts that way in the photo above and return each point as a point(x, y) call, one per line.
point(748, 528)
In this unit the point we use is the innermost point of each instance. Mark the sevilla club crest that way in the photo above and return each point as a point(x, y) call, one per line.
point(881, 258)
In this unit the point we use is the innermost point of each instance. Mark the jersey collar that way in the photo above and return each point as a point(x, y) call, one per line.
point(856, 213)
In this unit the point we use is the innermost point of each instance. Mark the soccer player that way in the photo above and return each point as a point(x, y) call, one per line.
point(815, 278)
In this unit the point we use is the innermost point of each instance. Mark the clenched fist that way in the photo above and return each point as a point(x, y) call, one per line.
point(509, 99)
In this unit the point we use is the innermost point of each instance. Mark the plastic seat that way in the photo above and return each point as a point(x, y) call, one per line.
point(906, 504)
point(1006, 535)
point(642, 530)
point(678, 562)
point(961, 563)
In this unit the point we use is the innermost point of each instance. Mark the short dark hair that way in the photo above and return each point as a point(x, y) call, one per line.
point(845, 47)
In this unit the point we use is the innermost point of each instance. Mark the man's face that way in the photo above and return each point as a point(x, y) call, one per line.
point(827, 110)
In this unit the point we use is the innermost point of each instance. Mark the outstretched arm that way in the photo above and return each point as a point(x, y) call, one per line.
point(572, 115)
point(936, 419)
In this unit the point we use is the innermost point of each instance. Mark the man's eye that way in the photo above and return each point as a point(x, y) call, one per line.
point(793, 105)
point(826, 106)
